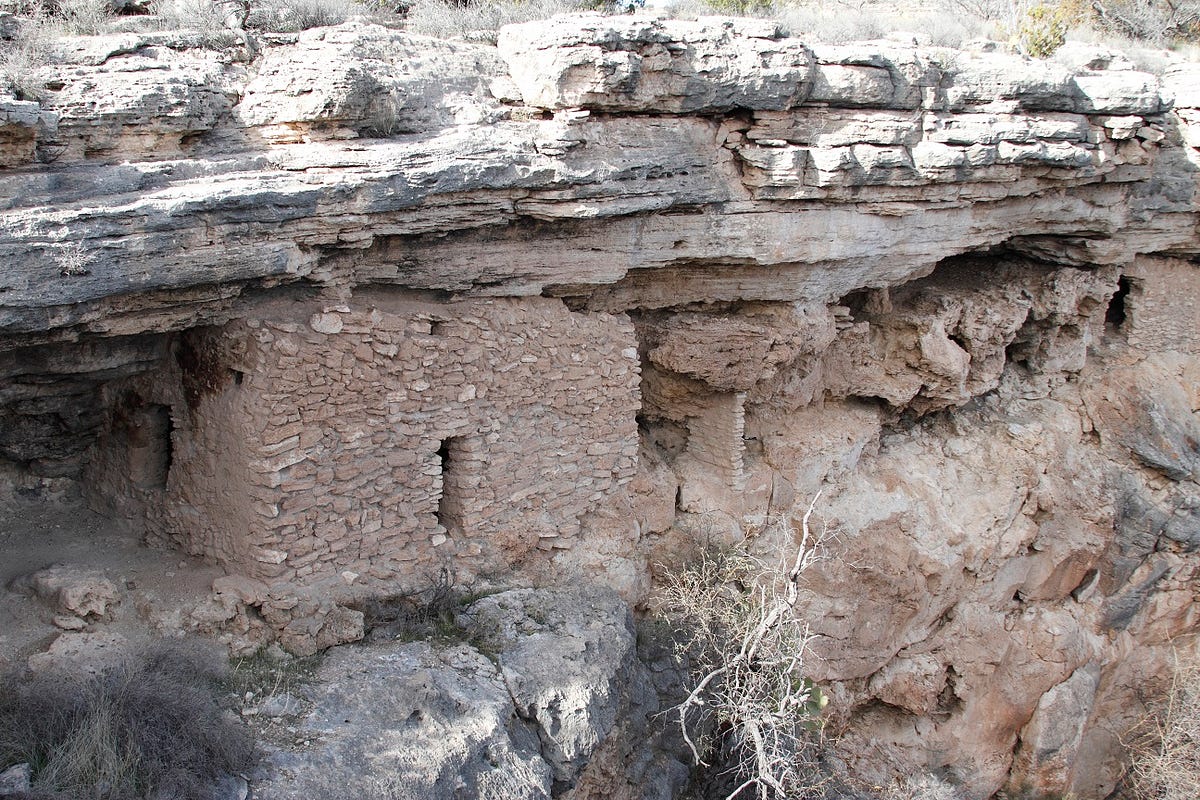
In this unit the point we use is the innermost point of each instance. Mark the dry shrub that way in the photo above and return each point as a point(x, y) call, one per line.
point(205, 17)
point(750, 716)
point(922, 787)
point(429, 612)
point(482, 21)
point(83, 17)
point(151, 727)
point(838, 25)
point(299, 15)
point(23, 59)
point(1153, 21)
point(842, 22)
point(1166, 763)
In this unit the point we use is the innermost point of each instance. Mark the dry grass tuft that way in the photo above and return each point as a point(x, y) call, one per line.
point(922, 787)
point(149, 728)
point(23, 59)
point(842, 22)
point(299, 15)
point(480, 22)
point(1166, 764)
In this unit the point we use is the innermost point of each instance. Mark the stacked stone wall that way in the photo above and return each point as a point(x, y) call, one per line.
point(1162, 311)
point(389, 438)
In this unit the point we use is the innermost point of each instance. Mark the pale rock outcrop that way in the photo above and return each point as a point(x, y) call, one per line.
point(642, 64)
point(360, 78)
point(1026, 130)
point(75, 590)
point(22, 124)
point(566, 658)
point(81, 655)
point(16, 780)
point(951, 342)
point(1152, 421)
point(982, 568)
point(410, 720)
point(443, 721)
point(135, 97)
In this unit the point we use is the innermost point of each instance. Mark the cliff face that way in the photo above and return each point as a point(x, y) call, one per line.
point(565, 309)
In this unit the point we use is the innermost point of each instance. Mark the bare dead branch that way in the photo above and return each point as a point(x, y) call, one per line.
point(747, 645)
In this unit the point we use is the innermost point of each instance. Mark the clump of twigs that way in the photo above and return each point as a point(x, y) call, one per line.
point(426, 613)
point(751, 712)
point(1166, 764)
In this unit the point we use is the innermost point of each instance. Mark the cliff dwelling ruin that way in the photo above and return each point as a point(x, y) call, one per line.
point(603, 294)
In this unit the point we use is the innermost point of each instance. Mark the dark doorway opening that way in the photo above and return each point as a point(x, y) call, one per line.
point(150, 446)
point(449, 508)
point(1118, 312)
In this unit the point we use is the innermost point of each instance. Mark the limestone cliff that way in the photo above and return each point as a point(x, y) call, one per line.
point(568, 308)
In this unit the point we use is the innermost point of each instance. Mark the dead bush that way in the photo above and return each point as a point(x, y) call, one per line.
point(481, 21)
point(150, 728)
point(1154, 21)
point(1166, 748)
point(31, 50)
point(299, 15)
point(425, 613)
point(751, 713)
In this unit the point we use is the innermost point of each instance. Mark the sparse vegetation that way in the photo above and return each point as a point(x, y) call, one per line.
point(922, 787)
point(750, 716)
point(1155, 21)
point(73, 259)
point(271, 673)
point(203, 16)
point(1042, 29)
point(151, 727)
point(480, 21)
point(1166, 763)
point(298, 15)
point(427, 613)
point(1034, 27)
point(31, 49)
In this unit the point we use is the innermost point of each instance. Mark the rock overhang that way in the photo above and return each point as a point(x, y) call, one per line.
point(267, 180)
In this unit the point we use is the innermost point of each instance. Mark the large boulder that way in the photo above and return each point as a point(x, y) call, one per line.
point(364, 78)
point(643, 64)
point(444, 720)
point(565, 658)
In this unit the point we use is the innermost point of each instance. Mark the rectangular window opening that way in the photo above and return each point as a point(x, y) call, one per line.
point(449, 508)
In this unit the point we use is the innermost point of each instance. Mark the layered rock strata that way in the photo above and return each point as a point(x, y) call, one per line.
point(564, 309)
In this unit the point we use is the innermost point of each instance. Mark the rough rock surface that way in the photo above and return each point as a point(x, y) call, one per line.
point(74, 590)
point(410, 720)
point(443, 720)
point(565, 658)
point(566, 309)
point(82, 653)
point(15, 780)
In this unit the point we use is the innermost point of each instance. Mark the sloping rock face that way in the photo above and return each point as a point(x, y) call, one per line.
point(572, 307)
point(444, 720)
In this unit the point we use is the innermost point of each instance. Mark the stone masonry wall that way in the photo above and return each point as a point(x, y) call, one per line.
point(391, 437)
point(1163, 312)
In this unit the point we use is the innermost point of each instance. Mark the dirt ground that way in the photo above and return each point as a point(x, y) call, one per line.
point(155, 588)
